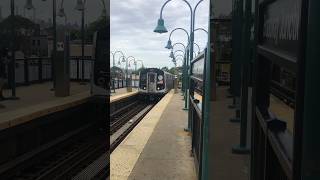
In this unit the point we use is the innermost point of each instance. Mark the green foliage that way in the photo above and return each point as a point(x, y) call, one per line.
point(97, 25)
point(138, 70)
point(24, 28)
point(75, 34)
point(165, 69)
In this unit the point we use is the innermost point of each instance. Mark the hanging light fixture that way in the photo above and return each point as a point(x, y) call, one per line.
point(169, 44)
point(61, 12)
point(79, 6)
point(29, 5)
point(171, 54)
point(160, 27)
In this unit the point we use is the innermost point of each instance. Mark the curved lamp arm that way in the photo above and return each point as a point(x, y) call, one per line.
point(198, 29)
point(184, 47)
point(131, 60)
point(179, 55)
point(161, 28)
point(179, 29)
point(197, 46)
point(171, 0)
point(130, 57)
point(141, 62)
point(178, 51)
point(194, 12)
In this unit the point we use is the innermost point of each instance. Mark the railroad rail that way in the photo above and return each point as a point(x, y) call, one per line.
point(125, 119)
point(61, 159)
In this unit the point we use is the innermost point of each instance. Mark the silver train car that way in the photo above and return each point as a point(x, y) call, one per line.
point(154, 82)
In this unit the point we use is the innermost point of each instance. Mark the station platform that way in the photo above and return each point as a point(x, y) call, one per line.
point(158, 148)
point(38, 100)
point(226, 135)
point(122, 93)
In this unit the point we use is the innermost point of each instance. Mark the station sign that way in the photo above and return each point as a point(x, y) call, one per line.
point(281, 22)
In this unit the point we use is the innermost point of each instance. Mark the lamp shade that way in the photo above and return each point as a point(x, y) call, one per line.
point(29, 5)
point(61, 12)
point(171, 54)
point(79, 6)
point(169, 44)
point(123, 60)
point(160, 27)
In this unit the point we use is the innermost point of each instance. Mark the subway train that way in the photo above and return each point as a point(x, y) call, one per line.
point(154, 82)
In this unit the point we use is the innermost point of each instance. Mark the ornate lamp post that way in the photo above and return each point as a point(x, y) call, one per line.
point(81, 7)
point(12, 77)
point(61, 12)
point(127, 74)
point(113, 56)
point(120, 60)
point(54, 34)
point(162, 29)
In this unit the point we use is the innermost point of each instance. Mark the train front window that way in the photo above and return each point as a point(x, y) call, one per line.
point(151, 80)
point(143, 80)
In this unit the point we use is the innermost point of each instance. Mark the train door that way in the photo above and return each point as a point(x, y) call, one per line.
point(152, 82)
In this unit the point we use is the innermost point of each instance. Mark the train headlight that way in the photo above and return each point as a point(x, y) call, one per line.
point(158, 88)
point(160, 77)
point(144, 88)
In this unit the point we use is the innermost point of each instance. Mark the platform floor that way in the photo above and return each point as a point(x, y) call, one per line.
point(226, 165)
point(158, 148)
point(121, 91)
point(37, 94)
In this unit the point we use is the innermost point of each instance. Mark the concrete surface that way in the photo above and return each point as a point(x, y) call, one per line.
point(158, 148)
point(37, 94)
point(226, 165)
point(122, 94)
point(122, 91)
point(38, 100)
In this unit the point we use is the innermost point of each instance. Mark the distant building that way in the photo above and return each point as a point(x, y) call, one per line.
point(39, 45)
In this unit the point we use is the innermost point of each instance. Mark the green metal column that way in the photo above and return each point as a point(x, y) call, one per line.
point(245, 66)
point(310, 156)
point(236, 51)
point(208, 71)
point(237, 56)
point(186, 94)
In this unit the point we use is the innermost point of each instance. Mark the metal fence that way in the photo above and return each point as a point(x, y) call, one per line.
point(37, 70)
point(195, 107)
point(118, 83)
point(121, 83)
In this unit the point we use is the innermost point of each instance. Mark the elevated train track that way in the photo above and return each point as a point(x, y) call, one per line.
point(123, 120)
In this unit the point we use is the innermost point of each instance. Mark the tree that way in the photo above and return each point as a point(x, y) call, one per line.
point(24, 28)
point(165, 69)
point(138, 70)
point(99, 24)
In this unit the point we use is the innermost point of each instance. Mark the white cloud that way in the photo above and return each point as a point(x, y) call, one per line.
point(133, 22)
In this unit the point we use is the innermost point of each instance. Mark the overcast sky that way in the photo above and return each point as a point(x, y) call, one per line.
point(44, 9)
point(133, 22)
